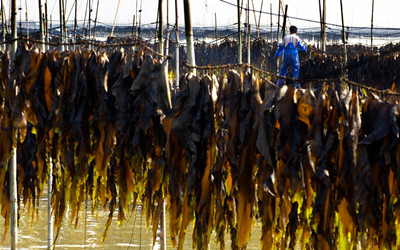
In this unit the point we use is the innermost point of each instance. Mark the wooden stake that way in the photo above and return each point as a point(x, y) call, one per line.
point(76, 21)
point(46, 26)
point(26, 16)
point(168, 35)
point(216, 27)
point(3, 30)
point(115, 18)
point(248, 34)
point(13, 162)
point(270, 15)
point(41, 26)
point(372, 25)
point(344, 41)
point(279, 21)
point(189, 35)
point(239, 33)
point(49, 213)
point(324, 26)
point(160, 26)
point(61, 25)
point(90, 17)
point(176, 47)
point(95, 20)
point(284, 22)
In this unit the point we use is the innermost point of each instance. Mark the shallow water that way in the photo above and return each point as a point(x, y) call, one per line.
point(130, 235)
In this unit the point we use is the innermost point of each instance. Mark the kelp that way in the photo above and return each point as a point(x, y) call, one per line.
point(318, 168)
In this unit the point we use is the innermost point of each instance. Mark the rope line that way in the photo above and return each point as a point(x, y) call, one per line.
point(86, 42)
point(327, 80)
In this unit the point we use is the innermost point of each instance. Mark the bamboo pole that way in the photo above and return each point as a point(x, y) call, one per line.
point(284, 22)
point(270, 15)
point(136, 17)
point(216, 27)
point(344, 41)
point(324, 26)
point(239, 33)
point(279, 21)
point(160, 26)
point(259, 19)
point(140, 19)
point(84, 30)
point(189, 35)
point(3, 30)
point(168, 35)
point(115, 18)
point(176, 48)
point(248, 34)
point(95, 20)
point(89, 18)
point(320, 24)
point(75, 21)
point(26, 17)
point(64, 22)
point(372, 25)
point(133, 25)
point(13, 162)
point(49, 213)
point(46, 26)
point(61, 26)
point(41, 26)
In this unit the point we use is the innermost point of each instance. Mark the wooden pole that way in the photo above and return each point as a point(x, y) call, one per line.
point(41, 26)
point(13, 162)
point(279, 21)
point(75, 21)
point(90, 17)
point(84, 30)
point(324, 26)
point(136, 17)
point(248, 34)
point(270, 15)
point(372, 25)
point(140, 19)
point(284, 22)
point(216, 27)
point(64, 22)
point(189, 35)
point(46, 26)
point(115, 18)
point(3, 30)
point(176, 48)
point(239, 33)
point(49, 213)
point(61, 26)
point(26, 17)
point(320, 24)
point(160, 26)
point(95, 20)
point(259, 19)
point(168, 35)
point(344, 41)
point(133, 25)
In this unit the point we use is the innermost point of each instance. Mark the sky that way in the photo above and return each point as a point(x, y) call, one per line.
point(356, 12)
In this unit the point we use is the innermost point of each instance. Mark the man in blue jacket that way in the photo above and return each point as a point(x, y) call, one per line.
point(291, 45)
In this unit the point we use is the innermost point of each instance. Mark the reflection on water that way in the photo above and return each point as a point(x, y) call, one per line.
point(131, 234)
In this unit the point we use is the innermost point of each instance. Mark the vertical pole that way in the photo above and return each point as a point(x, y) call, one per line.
point(344, 40)
point(320, 24)
point(46, 22)
point(248, 34)
point(13, 163)
point(324, 26)
point(245, 24)
point(95, 20)
point(61, 26)
point(239, 33)
point(372, 25)
point(284, 22)
point(26, 16)
point(49, 216)
point(75, 21)
point(136, 17)
point(279, 21)
point(216, 27)
point(90, 17)
point(160, 26)
point(270, 15)
point(189, 35)
point(115, 18)
point(140, 19)
point(133, 25)
point(41, 26)
point(3, 30)
point(176, 48)
point(168, 35)
point(64, 22)
point(259, 19)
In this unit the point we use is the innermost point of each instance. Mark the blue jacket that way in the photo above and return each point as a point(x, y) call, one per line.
point(291, 44)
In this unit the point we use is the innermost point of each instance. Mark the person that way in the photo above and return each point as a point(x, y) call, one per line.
point(291, 45)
